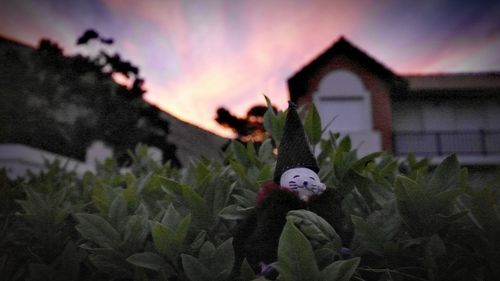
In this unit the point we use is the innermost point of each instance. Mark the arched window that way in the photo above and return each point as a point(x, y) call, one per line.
point(342, 95)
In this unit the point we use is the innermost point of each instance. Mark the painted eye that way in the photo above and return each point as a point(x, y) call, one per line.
point(296, 176)
point(312, 178)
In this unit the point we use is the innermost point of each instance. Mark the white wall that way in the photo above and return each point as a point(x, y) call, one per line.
point(465, 118)
point(451, 116)
point(407, 116)
point(493, 116)
point(17, 159)
point(365, 142)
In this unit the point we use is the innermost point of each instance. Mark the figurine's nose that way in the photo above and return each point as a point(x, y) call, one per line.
point(305, 183)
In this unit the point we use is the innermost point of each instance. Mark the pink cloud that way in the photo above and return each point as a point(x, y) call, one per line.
point(199, 55)
point(216, 75)
point(209, 63)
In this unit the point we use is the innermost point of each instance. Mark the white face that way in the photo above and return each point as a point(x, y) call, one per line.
point(303, 181)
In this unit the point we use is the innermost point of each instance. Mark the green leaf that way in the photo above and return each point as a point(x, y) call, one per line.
point(266, 151)
point(203, 175)
point(316, 229)
point(167, 242)
point(251, 153)
point(70, 264)
point(312, 125)
point(195, 270)
point(265, 173)
point(340, 270)
point(195, 201)
point(162, 236)
point(246, 271)
point(119, 268)
point(485, 212)
point(149, 260)
point(369, 235)
point(435, 251)
point(108, 253)
point(171, 185)
point(389, 168)
point(118, 211)
point(414, 206)
point(182, 229)
point(444, 199)
point(240, 153)
point(296, 261)
point(218, 195)
point(279, 126)
point(270, 121)
point(246, 199)
point(235, 212)
point(201, 215)
point(34, 203)
point(142, 210)
point(239, 169)
point(446, 175)
point(344, 145)
point(361, 163)
point(224, 260)
point(130, 194)
point(269, 117)
point(136, 231)
point(97, 229)
point(171, 218)
point(273, 123)
point(436, 246)
point(207, 253)
point(268, 102)
point(199, 241)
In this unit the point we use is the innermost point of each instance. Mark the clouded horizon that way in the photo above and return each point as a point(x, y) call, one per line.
point(199, 55)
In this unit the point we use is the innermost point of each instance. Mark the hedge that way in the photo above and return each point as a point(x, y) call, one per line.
point(151, 221)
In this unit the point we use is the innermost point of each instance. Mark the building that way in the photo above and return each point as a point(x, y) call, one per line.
point(429, 115)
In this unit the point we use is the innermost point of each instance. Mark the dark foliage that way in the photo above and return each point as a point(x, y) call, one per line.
point(62, 103)
point(153, 222)
point(248, 129)
point(91, 34)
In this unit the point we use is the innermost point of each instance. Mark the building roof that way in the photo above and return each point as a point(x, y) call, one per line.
point(436, 85)
point(192, 141)
point(452, 84)
point(341, 47)
point(461, 81)
point(5, 41)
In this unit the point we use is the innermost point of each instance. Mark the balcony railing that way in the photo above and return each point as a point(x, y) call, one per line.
point(436, 143)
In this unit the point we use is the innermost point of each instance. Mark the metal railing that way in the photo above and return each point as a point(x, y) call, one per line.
point(436, 143)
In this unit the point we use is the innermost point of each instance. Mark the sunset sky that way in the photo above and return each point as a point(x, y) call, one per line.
point(198, 55)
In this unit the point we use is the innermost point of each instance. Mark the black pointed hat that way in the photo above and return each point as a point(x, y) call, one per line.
point(294, 151)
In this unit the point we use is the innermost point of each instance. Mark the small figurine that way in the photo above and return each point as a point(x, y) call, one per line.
point(296, 185)
point(305, 182)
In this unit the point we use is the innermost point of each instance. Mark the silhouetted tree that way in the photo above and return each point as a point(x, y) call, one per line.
point(250, 128)
point(62, 103)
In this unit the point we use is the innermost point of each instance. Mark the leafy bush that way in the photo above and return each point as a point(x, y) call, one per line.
point(154, 222)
